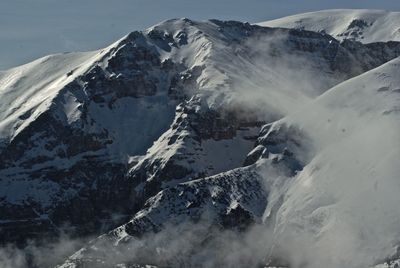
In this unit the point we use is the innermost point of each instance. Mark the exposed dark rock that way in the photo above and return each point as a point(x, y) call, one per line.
point(83, 183)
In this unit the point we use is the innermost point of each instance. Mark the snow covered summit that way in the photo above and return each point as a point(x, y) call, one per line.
point(362, 25)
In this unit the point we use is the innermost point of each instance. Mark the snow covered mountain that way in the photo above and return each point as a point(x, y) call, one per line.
point(189, 137)
point(315, 183)
point(362, 25)
point(344, 199)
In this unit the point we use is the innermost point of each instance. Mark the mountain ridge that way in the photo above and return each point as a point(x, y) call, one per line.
point(362, 25)
point(188, 120)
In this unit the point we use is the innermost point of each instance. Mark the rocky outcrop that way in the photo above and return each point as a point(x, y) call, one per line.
point(229, 201)
point(181, 153)
point(282, 143)
point(152, 116)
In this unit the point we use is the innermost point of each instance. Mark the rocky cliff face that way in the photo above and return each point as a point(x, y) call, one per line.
point(157, 128)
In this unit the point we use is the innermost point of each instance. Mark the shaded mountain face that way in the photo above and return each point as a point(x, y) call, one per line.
point(178, 125)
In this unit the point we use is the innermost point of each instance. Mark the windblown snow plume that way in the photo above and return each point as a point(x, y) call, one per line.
point(341, 209)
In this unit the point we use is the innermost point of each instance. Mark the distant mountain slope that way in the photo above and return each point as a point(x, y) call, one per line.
point(366, 26)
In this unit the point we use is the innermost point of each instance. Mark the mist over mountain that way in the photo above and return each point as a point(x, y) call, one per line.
point(208, 144)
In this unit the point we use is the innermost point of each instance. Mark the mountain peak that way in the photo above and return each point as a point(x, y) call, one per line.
point(234, 124)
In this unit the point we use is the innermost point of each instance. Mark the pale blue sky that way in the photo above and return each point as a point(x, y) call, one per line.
point(33, 28)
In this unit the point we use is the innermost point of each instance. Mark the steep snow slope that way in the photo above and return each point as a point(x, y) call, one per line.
point(330, 175)
point(67, 123)
point(365, 26)
point(112, 136)
point(343, 203)
point(28, 91)
point(248, 76)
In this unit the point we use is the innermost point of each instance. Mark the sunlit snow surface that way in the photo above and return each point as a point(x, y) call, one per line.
point(339, 210)
point(344, 204)
point(365, 26)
